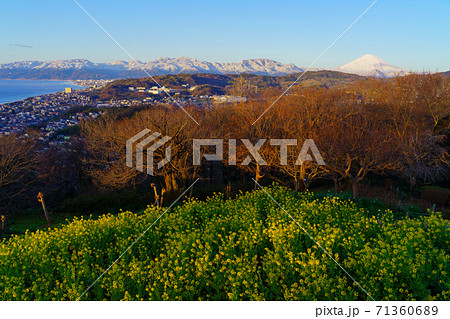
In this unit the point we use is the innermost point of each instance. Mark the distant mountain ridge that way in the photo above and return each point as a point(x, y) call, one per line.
point(367, 65)
point(161, 66)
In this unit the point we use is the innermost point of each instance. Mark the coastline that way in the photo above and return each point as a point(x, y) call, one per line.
point(38, 90)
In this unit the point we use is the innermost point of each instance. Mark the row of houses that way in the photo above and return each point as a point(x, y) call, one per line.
point(153, 90)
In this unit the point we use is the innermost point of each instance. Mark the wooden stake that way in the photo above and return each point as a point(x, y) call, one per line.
point(40, 197)
point(3, 218)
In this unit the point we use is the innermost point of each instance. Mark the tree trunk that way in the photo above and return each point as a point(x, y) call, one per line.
point(258, 176)
point(175, 186)
point(355, 189)
point(336, 185)
point(296, 184)
point(305, 185)
point(228, 190)
point(302, 177)
point(412, 184)
point(168, 183)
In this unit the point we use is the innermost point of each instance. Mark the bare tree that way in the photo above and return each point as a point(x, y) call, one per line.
point(18, 162)
point(106, 145)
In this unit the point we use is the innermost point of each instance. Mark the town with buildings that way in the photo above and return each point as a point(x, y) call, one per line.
point(52, 113)
point(49, 113)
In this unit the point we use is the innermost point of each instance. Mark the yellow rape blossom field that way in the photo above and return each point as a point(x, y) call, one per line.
point(238, 249)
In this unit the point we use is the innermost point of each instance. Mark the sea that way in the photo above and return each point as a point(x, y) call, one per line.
point(16, 90)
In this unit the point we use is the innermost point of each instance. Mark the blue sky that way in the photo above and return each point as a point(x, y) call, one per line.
point(407, 33)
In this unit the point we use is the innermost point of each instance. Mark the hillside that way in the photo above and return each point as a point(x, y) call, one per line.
point(237, 249)
point(219, 83)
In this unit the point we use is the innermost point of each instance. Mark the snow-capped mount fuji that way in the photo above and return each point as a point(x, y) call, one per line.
point(371, 65)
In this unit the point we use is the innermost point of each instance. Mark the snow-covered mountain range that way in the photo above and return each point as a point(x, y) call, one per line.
point(164, 66)
point(368, 65)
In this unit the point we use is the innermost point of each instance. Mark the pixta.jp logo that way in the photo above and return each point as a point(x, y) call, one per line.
point(150, 148)
point(253, 151)
point(146, 142)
